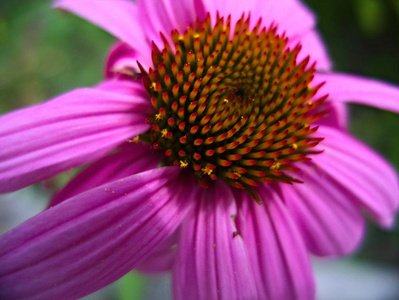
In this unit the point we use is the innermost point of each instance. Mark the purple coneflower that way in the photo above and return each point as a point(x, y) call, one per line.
point(218, 150)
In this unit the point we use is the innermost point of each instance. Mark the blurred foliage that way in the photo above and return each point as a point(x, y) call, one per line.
point(131, 287)
point(44, 52)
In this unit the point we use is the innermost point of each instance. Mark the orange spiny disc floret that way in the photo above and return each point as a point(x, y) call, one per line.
point(232, 105)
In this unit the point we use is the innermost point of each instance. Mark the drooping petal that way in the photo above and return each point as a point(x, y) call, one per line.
point(89, 241)
point(166, 15)
point(124, 87)
point(355, 89)
point(337, 115)
point(121, 62)
point(162, 258)
point(73, 129)
point(211, 263)
point(312, 46)
point(330, 224)
point(160, 261)
point(130, 159)
point(279, 258)
point(291, 16)
point(118, 17)
point(364, 176)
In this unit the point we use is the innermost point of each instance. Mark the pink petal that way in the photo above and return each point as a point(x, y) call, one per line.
point(122, 62)
point(211, 263)
point(89, 241)
point(167, 15)
point(291, 16)
point(130, 159)
point(71, 130)
point(313, 46)
point(337, 115)
point(355, 89)
point(363, 175)
point(124, 87)
point(278, 255)
point(162, 259)
point(329, 223)
point(158, 262)
point(118, 17)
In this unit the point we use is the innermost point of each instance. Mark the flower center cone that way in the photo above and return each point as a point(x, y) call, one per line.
point(232, 105)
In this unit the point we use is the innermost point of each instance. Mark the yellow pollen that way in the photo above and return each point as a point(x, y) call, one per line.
point(164, 132)
point(225, 100)
point(196, 35)
point(275, 166)
point(153, 85)
point(183, 164)
point(134, 140)
point(310, 103)
point(237, 174)
point(295, 146)
point(158, 116)
point(180, 38)
point(206, 171)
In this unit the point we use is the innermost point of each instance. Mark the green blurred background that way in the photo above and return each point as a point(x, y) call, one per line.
point(44, 53)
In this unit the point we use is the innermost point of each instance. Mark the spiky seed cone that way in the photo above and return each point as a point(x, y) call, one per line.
point(234, 106)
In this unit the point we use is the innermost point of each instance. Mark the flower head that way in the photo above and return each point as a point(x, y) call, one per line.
point(219, 129)
point(233, 103)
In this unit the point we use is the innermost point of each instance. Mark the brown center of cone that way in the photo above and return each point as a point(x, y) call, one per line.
point(232, 105)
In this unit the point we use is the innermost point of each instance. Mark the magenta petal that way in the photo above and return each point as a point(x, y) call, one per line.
point(131, 159)
point(125, 87)
point(278, 255)
point(329, 223)
point(71, 130)
point(121, 62)
point(313, 46)
point(355, 89)
point(118, 17)
point(337, 115)
point(291, 16)
point(162, 259)
point(211, 263)
point(368, 180)
point(234, 8)
point(158, 262)
point(90, 240)
point(167, 15)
